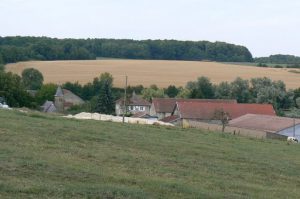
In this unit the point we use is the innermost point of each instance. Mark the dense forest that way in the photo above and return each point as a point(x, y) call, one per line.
point(279, 59)
point(14, 49)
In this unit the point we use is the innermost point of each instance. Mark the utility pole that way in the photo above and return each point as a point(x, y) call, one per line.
point(125, 98)
point(294, 134)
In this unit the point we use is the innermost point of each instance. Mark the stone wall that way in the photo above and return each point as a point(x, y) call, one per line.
point(228, 129)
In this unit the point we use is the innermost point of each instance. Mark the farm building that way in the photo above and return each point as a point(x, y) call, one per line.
point(64, 99)
point(164, 107)
point(171, 119)
point(270, 124)
point(134, 105)
point(192, 112)
point(144, 115)
point(48, 107)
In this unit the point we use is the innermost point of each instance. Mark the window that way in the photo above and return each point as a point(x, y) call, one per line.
point(141, 108)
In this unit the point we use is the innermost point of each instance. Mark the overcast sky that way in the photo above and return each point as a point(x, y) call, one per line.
point(264, 26)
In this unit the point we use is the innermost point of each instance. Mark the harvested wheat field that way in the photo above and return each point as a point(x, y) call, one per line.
point(147, 72)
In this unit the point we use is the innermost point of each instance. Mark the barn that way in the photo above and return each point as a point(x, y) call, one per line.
point(164, 107)
point(288, 127)
point(192, 113)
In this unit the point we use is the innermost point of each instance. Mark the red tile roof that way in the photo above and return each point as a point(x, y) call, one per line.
point(206, 110)
point(266, 123)
point(166, 105)
point(170, 119)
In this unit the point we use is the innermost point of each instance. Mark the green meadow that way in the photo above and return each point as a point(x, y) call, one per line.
point(44, 156)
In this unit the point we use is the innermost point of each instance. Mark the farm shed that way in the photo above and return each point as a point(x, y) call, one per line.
point(271, 124)
point(173, 119)
point(191, 112)
point(164, 107)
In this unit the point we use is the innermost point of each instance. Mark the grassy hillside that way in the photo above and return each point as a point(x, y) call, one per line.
point(50, 157)
point(146, 72)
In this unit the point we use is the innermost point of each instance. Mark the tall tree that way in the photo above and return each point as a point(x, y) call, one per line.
point(172, 91)
point(105, 102)
point(240, 90)
point(202, 88)
point(12, 90)
point(184, 93)
point(98, 82)
point(149, 93)
point(32, 79)
point(46, 92)
point(223, 91)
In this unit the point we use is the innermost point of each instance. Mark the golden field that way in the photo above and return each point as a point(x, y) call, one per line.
point(147, 72)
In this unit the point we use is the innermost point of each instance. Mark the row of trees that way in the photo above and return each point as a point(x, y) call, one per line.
point(13, 49)
point(257, 90)
point(279, 59)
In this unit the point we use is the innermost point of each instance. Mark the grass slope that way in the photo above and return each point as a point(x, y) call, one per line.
point(50, 157)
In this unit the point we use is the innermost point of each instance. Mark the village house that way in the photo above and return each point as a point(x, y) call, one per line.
point(164, 107)
point(63, 100)
point(134, 105)
point(190, 113)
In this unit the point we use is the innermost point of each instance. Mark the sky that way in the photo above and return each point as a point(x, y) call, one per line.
point(265, 27)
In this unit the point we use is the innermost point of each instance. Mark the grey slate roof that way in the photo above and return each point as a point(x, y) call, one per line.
point(48, 107)
point(59, 92)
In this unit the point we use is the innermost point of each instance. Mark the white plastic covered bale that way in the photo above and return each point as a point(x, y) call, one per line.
point(117, 119)
point(83, 116)
point(151, 122)
point(159, 123)
point(69, 116)
point(103, 117)
point(106, 118)
point(96, 116)
point(142, 121)
point(164, 123)
point(132, 120)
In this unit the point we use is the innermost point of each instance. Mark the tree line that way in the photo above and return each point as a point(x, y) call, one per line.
point(14, 49)
point(279, 59)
